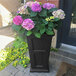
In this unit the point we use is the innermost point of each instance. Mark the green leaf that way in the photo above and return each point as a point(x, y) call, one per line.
point(43, 13)
point(29, 33)
point(46, 22)
point(56, 19)
point(42, 31)
point(58, 25)
point(50, 25)
point(49, 32)
point(38, 35)
point(33, 14)
point(54, 49)
point(16, 27)
point(29, 10)
point(21, 31)
point(53, 9)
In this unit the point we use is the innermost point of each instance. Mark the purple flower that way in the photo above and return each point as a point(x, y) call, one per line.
point(28, 24)
point(48, 6)
point(36, 7)
point(53, 6)
point(17, 11)
point(17, 20)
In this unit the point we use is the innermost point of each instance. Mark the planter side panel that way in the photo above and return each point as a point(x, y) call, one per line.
point(39, 52)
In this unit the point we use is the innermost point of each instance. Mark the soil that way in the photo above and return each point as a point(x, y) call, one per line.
point(70, 72)
point(66, 70)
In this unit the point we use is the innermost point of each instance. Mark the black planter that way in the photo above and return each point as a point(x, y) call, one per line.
point(39, 50)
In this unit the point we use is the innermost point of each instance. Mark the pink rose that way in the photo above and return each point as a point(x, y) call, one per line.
point(17, 20)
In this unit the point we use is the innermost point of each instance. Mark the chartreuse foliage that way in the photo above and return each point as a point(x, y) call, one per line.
point(17, 51)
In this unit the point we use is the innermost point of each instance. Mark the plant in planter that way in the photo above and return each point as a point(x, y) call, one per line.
point(37, 21)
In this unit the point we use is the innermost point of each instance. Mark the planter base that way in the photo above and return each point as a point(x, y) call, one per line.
point(39, 50)
point(39, 70)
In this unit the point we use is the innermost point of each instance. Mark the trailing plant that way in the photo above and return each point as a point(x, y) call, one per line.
point(17, 51)
point(54, 49)
point(23, 48)
point(37, 18)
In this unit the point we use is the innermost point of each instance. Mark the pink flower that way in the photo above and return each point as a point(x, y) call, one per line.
point(48, 6)
point(37, 2)
point(17, 20)
point(28, 24)
point(36, 7)
point(29, 4)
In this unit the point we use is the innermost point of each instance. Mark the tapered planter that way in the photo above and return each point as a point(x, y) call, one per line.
point(39, 50)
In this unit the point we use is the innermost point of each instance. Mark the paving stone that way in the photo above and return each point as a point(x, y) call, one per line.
point(27, 70)
point(44, 74)
point(26, 74)
point(28, 65)
point(34, 74)
point(20, 68)
point(20, 73)
point(11, 69)
point(4, 73)
point(52, 73)
point(54, 63)
point(11, 75)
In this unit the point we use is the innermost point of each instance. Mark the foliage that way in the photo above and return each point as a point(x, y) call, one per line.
point(54, 49)
point(43, 22)
point(18, 51)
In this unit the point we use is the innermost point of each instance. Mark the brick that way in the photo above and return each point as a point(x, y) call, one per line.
point(56, 2)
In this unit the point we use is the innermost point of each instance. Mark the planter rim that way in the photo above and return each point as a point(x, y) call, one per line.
point(41, 36)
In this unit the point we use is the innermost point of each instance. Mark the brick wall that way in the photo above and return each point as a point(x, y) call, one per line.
point(56, 2)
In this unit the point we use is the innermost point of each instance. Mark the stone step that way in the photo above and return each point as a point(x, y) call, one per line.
point(67, 53)
point(7, 31)
point(67, 47)
point(63, 58)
